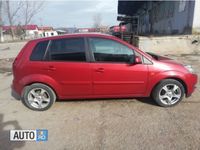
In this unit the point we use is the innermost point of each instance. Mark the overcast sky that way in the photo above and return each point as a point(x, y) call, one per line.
point(77, 13)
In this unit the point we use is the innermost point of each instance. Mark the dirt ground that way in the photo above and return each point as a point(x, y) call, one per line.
point(102, 124)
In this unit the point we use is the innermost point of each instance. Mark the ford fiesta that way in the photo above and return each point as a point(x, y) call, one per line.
point(80, 66)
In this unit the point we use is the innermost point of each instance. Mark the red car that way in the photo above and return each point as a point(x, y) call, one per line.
point(88, 66)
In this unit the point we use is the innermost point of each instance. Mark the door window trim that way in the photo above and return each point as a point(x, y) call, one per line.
point(92, 59)
point(48, 52)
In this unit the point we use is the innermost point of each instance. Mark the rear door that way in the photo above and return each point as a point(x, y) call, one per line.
point(67, 65)
point(112, 75)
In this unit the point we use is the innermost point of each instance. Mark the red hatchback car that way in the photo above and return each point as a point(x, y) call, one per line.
point(80, 66)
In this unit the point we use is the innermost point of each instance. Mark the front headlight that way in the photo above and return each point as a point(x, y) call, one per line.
point(189, 68)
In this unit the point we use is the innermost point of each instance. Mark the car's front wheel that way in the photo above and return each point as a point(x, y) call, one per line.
point(38, 97)
point(168, 92)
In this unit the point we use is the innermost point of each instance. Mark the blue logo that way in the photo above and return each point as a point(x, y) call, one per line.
point(41, 135)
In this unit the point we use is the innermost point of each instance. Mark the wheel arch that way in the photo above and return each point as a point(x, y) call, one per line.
point(175, 78)
point(28, 84)
point(42, 79)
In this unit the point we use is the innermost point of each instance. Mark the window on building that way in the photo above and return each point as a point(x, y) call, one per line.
point(182, 4)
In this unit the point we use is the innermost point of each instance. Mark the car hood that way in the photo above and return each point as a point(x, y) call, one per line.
point(163, 59)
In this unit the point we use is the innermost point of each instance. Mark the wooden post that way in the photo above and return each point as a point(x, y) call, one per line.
point(1, 22)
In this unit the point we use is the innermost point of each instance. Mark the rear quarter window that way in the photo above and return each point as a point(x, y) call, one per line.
point(39, 51)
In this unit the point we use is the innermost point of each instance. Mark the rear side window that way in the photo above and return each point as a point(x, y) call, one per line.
point(39, 51)
point(72, 49)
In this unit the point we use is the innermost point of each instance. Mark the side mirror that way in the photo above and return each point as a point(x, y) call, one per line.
point(138, 60)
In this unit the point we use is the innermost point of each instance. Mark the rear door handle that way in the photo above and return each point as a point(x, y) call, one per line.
point(101, 70)
point(50, 68)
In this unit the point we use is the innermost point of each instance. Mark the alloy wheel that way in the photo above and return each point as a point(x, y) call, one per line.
point(38, 98)
point(170, 94)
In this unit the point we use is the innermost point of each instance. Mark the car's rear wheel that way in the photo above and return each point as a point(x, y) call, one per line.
point(168, 92)
point(38, 97)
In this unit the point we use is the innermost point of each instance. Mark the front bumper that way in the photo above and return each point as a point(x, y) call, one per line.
point(191, 82)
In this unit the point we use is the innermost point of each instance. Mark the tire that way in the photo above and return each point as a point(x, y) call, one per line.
point(38, 97)
point(168, 89)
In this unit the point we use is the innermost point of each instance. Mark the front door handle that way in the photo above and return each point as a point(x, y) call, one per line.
point(101, 70)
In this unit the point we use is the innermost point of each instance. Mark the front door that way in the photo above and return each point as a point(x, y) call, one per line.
point(112, 75)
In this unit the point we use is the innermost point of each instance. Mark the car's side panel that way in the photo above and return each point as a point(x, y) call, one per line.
point(155, 78)
point(40, 78)
point(191, 81)
point(74, 78)
point(119, 79)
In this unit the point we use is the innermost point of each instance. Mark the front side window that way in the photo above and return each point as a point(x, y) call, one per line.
point(67, 50)
point(106, 50)
point(39, 51)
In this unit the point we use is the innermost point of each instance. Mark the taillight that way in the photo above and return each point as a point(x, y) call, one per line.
point(19, 55)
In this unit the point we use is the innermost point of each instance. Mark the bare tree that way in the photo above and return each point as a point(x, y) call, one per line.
point(30, 9)
point(1, 21)
point(97, 21)
point(12, 13)
point(26, 9)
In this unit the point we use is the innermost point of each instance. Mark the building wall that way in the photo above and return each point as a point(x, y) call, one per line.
point(196, 22)
point(31, 32)
point(169, 45)
point(168, 17)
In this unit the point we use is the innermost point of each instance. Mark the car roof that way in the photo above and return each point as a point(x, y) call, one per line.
point(91, 34)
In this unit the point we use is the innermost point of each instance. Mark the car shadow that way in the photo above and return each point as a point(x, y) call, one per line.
point(5, 142)
point(146, 100)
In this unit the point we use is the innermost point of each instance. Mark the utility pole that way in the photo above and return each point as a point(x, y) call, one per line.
point(1, 22)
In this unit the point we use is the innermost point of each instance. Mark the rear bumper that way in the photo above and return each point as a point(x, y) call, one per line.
point(15, 95)
point(16, 90)
point(191, 84)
